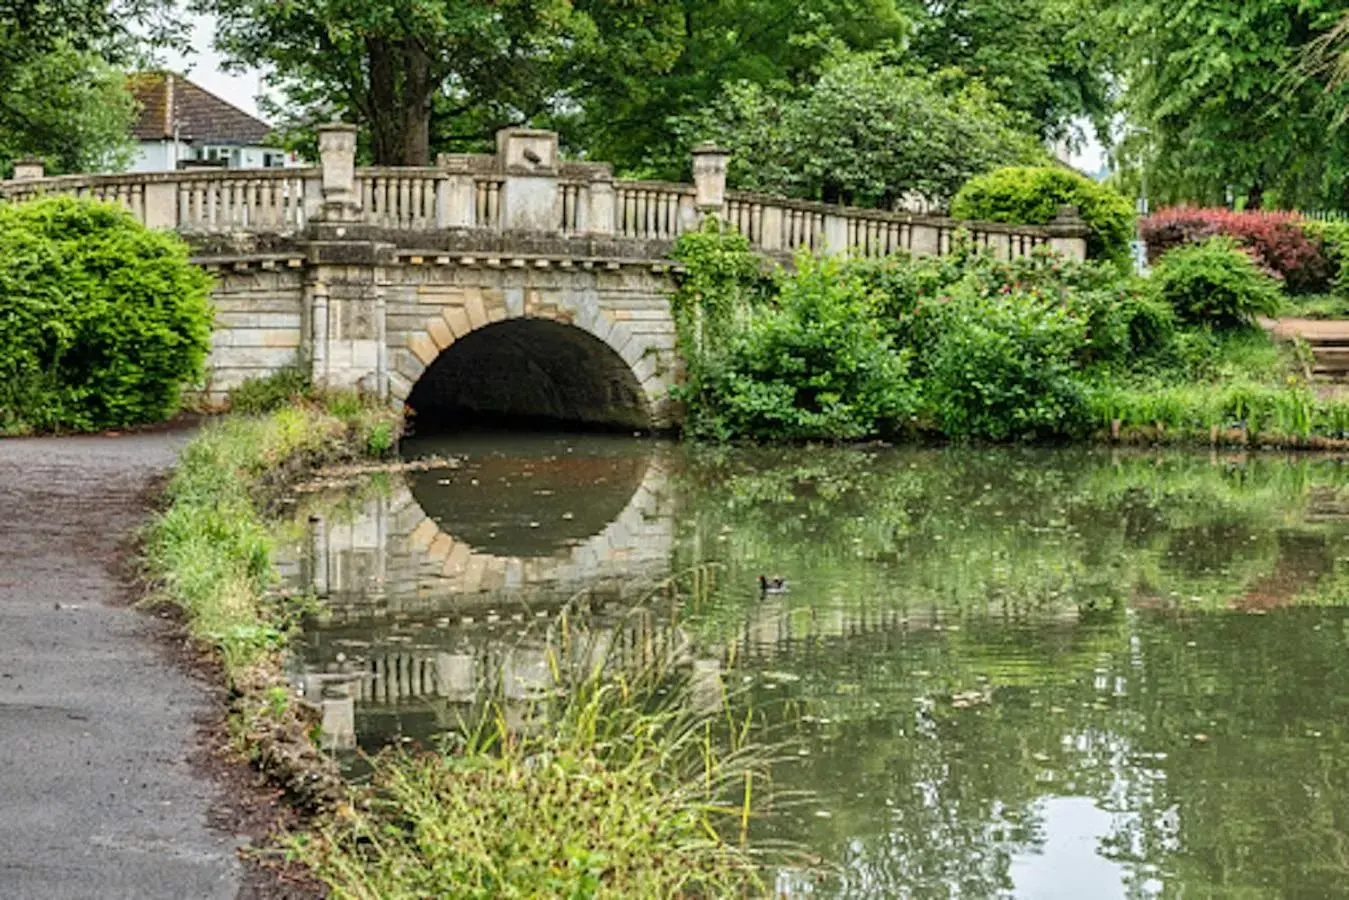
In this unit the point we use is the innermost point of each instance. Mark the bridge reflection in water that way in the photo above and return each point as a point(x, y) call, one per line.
point(451, 578)
point(445, 584)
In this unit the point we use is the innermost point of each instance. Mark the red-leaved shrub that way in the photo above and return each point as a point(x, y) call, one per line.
point(1275, 240)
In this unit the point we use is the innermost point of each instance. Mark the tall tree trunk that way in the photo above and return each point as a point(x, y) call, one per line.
point(401, 88)
point(1255, 197)
point(416, 111)
point(384, 127)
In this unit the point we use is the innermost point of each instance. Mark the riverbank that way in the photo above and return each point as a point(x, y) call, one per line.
point(102, 798)
point(634, 791)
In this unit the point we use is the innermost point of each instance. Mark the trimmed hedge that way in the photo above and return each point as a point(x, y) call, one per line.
point(1032, 195)
point(102, 321)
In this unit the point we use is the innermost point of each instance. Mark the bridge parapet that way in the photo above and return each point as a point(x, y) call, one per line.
point(525, 188)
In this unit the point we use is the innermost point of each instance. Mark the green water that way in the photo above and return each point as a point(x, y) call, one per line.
point(1019, 673)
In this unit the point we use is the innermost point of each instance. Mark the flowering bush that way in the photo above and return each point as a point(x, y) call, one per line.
point(1278, 242)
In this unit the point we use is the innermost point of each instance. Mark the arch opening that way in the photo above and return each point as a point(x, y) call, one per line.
point(528, 373)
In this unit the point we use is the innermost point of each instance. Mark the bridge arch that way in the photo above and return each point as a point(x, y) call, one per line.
point(536, 353)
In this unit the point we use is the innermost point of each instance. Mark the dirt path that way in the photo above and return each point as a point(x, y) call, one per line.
point(98, 797)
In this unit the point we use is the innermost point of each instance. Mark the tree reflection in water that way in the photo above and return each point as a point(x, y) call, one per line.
point(1118, 674)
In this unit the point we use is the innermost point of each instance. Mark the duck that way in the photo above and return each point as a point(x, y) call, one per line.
point(775, 585)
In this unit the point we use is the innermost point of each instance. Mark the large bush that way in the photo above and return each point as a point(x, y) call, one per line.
point(102, 321)
point(1215, 283)
point(815, 365)
point(1333, 238)
point(1279, 242)
point(1023, 195)
point(1003, 367)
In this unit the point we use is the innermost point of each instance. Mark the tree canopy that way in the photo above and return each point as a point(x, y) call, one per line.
point(424, 74)
point(64, 98)
point(1216, 107)
point(864, 133)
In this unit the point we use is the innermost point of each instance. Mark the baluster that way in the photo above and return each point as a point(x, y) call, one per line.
point(275, 201)
point(671, 215)
point(405, 218)
point(480, 203)
point(222, 209)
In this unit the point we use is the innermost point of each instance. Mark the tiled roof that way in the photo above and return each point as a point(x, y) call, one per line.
point(167, 99)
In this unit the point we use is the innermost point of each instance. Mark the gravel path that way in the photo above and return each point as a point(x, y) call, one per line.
point(98, 797)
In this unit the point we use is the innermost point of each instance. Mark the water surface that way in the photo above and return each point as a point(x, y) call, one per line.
point(1019, 673)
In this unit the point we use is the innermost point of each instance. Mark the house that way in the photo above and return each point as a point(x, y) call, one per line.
point(181, 124)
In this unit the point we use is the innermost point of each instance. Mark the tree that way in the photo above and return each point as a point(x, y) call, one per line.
point(864, 133)
point(629, 116)
point(68, 107)
point(63, 98)
point(1209, 82)
point(418, 73)
point(1046, 59)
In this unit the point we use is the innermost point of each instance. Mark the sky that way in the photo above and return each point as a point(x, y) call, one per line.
point(202, 65)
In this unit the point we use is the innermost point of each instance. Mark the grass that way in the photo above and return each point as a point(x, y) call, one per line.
point(1316, 306)
point(601, 793)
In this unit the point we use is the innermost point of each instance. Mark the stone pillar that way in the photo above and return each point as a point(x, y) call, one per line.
point(600, 217)
point(348, 311)
point(1068, 234)
point(161, 204)
point(709, 178)
point(30, 168)
point(530, 200)
point(456, 193)
point(924, 238)
point(318, 331)
point(337, 159)
point(835, 235)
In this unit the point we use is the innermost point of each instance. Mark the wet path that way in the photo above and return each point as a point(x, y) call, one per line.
point(97, 794)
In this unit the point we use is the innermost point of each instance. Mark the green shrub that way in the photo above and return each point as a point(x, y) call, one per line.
point(1334, 237)
point(1003, 368)
point(262, 395)
point(104, 320)
point(818, 365)
point(1126, 326)
point(722, 277)
point(1030, 195)
point(1214, 283)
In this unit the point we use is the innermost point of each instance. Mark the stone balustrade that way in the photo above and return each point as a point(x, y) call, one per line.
point(523, 188)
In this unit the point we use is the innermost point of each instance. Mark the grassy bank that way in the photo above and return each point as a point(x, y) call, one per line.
point(607, 790)
point(208, 553)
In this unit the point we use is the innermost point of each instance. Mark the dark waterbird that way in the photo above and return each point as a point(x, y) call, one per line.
point(774, 585)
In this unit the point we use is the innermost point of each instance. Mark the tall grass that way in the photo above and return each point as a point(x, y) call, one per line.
point(1255, 412)
point(612, 782)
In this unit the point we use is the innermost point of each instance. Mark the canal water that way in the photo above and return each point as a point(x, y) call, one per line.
point(1077, 673)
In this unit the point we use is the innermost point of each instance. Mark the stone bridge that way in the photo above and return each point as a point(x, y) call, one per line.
point(513, 283)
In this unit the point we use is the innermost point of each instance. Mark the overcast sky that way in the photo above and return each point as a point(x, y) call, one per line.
point(202, 65)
